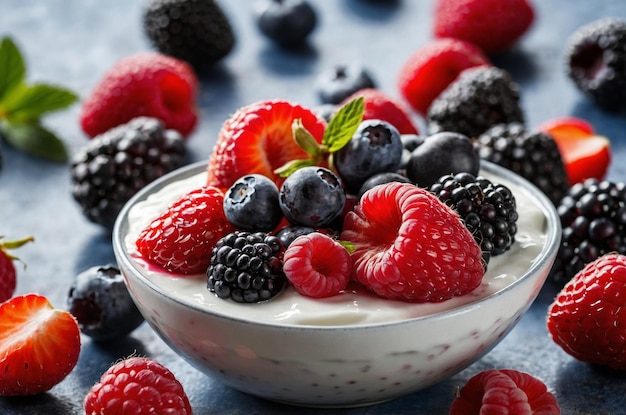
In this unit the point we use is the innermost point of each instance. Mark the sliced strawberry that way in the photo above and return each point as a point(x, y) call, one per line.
point(258, 139)
point(584, 153)
point(39, 345)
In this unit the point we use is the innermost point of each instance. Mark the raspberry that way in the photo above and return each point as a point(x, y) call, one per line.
point(504, 391)
point(137, 385)
point(144, 84)
point(379, 106)
point(180, 240)
point(587, 317)
point(431, 68)
point(492, 25)
point(317, 265)
point(410, 246)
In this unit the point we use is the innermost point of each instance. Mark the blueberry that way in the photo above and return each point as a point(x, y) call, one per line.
point(288, 234)
point(312, 196)
point(375, 147)
point(100, 302)
point(251, 204)
point(382, 178)
point(339, 82)
point(440, 154)
point(286, 22)
point(409, 143)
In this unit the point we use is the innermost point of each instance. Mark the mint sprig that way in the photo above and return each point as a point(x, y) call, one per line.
point(337, 134)
point(22, 106)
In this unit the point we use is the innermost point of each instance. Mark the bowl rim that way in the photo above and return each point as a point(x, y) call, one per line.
point(545, 257)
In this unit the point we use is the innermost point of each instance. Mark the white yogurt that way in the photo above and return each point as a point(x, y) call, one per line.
point(355, 306)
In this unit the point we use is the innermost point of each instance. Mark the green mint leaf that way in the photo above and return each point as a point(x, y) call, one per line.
point(29, 103)
point(12, 67)
point(288, 168)
point(305, 139)
point(34, 139)
point(343, 125)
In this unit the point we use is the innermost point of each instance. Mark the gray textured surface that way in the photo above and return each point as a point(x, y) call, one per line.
point(72, 42)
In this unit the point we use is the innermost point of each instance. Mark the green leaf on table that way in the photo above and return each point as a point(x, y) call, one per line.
point(29, 102)
point(35, 139)
point(344, 124)
point(12, 67)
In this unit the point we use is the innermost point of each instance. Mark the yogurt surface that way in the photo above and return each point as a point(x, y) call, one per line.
point(354, 307)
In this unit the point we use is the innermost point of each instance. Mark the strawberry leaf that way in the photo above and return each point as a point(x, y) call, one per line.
point(305, 139)
point(344, 124)
point(12, 67)
point(29, 103)
point(34, 139)
point(288, 168)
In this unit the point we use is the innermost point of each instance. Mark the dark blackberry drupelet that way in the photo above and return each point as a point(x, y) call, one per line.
point(593, 221)
point(596, 61)
point(246, 267)
point(488, 210)
point(533, 155)
point(115, 165)
point(196, 31)
point(478, 99)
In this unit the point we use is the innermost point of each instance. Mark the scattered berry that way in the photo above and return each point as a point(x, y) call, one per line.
point(504, 391)
point(137, 385)
point(336, 84)
point(180, 240)
point(587, 317)
point(374, 148)
point(312, 196)
point(593, 220)
point(585, 154)
point(115, 165)
point(381, 178)
point(258, 139)
point(8, 274)
point(434, 66)
point(409, 143)
point(410, 246)
point(379, 106)
point(440, 154)
point(251, 204)
point(286, 22)
point(533, 155)
point(595, 59)
point(195, 31)
point(246, 267)
point(100, 302)
point(478, 99)
point(488, 210)
point(39, 345)
point(144, 84)
point(317, 266)
point(492, 25)
point(289, 233)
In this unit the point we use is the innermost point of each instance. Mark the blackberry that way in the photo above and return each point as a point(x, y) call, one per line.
point(488, 210)
point(115, 165)
point(593, 222)
point(533, 155)
point(480, 98)
point(596, 61)
point(246, 268)
point(196, 31)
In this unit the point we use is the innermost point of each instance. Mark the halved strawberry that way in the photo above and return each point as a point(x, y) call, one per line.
point(258, 138)
point(39, 345)
point(584, 153)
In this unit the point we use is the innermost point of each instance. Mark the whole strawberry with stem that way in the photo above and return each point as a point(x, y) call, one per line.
point(8, 274)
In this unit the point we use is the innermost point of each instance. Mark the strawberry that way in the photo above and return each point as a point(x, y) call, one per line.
point(587, 316)
point(504, 392)
point(377, 105)
point(258, 139)
point(8, 280)
point(137, 385)
point(492, 25)
point(410, 246)
point(144, 84)
point(180, 240)
point(584, 153)
point(39, 345)
point(434, 66)
point(317, 266)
